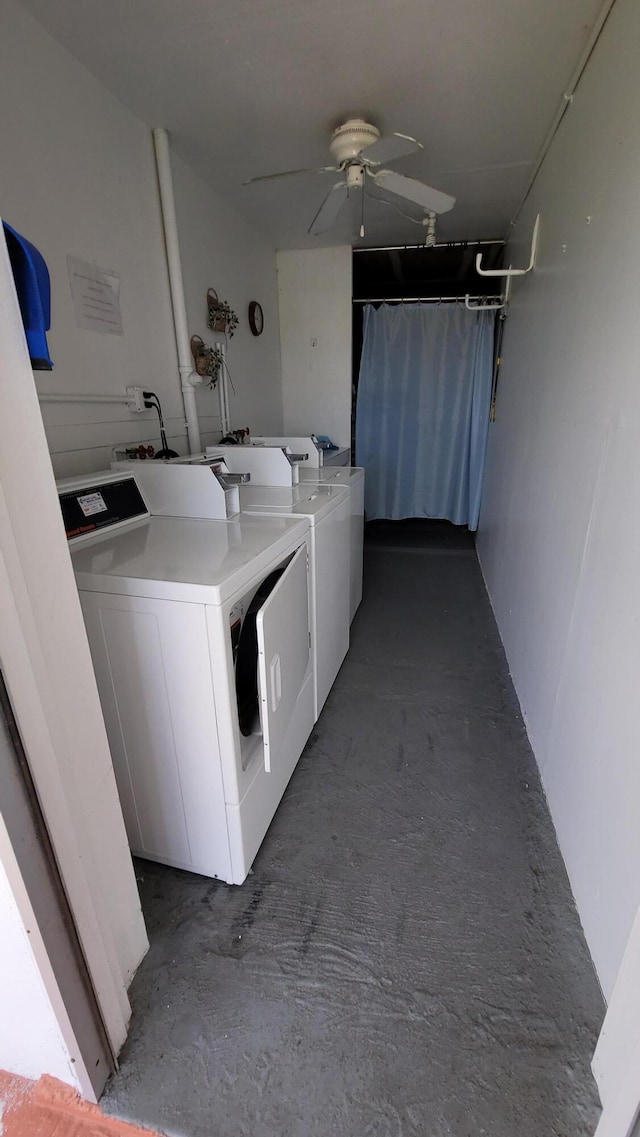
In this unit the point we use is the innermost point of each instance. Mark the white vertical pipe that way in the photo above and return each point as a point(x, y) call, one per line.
point(185, 364)
point(223, 391)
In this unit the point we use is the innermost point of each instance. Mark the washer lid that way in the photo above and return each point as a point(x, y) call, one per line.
point(177, 558)
point(309, 500)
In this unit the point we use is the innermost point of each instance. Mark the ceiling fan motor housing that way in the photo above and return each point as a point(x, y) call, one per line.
point(348, 140)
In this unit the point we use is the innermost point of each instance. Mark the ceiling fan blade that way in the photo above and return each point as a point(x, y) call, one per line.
point(390, 147)
point(329, 209)
point(415, 191)
point(290, 174)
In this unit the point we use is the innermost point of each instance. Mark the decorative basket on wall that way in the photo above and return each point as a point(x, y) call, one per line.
point(220, 315)
point(208, 361)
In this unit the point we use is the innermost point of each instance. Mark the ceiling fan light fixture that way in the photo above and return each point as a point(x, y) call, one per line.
point(359, 151)
point(348, 140)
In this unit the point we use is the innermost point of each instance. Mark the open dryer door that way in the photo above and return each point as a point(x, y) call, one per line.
point(282, 627)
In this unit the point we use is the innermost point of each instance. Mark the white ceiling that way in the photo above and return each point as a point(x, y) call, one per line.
point(249, 87)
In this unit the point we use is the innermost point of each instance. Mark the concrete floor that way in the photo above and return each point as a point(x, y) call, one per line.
point(405, 958)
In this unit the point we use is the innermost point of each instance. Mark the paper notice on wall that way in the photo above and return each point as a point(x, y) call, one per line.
point(96, 297)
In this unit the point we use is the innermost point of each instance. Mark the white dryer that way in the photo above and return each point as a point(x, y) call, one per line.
point(200, 638)
point(328, 510)
point(353, 478)
point(278, 466)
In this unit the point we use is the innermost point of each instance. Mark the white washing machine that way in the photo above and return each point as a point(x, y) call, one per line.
point(200, 638)
point(353, 478)
point(185, 487)
point(308, 444)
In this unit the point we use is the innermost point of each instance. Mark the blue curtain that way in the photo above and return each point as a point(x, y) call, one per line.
point(422, 413)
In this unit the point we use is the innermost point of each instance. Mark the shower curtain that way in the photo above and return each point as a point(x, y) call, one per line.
point(422, 411)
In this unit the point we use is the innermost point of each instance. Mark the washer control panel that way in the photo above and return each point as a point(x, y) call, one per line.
point(99, 506)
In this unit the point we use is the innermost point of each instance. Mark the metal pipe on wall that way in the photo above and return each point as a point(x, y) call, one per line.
point(421, 299)
point(188, 378)
point(223, 393)
point(438, 245)
point(567, 99)
point(63, 397)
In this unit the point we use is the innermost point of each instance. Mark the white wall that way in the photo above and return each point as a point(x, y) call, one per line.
point(32, 1039)
point(559, 539)
point(78, 177)
point(220, 251)
point(315, 291)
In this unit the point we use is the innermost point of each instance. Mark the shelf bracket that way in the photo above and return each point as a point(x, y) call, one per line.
point(513, 271)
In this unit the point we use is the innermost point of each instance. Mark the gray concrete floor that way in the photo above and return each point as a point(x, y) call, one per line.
point(405, 959)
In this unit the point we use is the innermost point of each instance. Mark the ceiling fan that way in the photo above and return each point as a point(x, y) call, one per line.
point(359, 151)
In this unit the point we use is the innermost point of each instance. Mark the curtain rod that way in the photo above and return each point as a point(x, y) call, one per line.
point(438, 245)
point(420, 299)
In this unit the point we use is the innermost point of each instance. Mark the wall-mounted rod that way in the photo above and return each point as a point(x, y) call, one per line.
point(567, 98)
point(53, 397)
point(421, 299)
point(438, 245)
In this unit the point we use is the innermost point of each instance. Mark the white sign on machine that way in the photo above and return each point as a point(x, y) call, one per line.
point(92, 503)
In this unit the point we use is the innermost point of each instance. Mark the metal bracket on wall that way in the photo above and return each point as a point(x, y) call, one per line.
point(513, 271)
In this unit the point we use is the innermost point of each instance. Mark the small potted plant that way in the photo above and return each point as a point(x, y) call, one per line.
point(221, 316)
point(208, 361)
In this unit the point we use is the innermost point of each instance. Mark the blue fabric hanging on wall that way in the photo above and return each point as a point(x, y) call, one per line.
point(422, 413)
point(33, 287)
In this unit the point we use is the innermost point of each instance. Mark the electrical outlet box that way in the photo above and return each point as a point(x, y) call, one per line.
point(135, 395)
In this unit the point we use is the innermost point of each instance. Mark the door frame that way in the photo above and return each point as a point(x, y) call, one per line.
point(49, 678)
point(616, 1061)
point(69, 982)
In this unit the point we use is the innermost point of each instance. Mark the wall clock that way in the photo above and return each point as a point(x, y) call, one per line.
point(256, 318)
